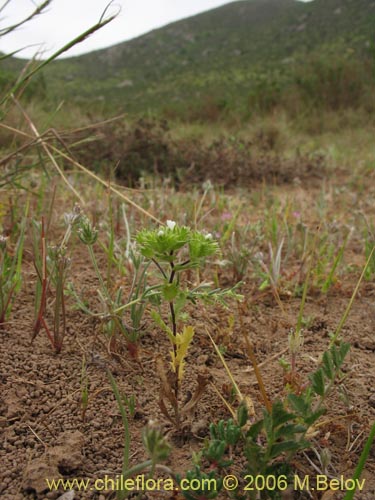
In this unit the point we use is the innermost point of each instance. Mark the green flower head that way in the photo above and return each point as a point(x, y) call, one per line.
point(163, 243)
point(87, 232)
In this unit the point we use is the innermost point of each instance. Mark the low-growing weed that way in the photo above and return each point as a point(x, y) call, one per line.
point(267, 446)
point(153, 440)
point(52, 264)
point(242, 250)
point(175, 250)
point(113, 303)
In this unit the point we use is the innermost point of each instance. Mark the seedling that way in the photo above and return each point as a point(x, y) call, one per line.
point(242, 249)
point(113, 303)
point(52, 264)
point(154, 442)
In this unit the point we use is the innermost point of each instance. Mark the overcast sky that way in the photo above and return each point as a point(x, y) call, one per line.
point(65, 19)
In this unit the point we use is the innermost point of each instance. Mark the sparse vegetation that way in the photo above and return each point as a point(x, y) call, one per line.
point(213, 320)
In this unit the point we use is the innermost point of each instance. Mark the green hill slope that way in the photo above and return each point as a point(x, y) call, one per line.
point(222, 57)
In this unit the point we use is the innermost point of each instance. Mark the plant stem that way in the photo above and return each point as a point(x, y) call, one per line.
point(96, 267)
point(40, 317)
point(174, 329)
point(160, 268)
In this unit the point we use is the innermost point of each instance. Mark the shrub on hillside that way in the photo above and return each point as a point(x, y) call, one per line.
point(146, 148)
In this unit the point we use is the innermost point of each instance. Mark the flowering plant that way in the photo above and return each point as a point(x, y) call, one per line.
point(174, 250)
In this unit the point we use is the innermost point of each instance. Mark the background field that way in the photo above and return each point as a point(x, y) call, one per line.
point(253, 125)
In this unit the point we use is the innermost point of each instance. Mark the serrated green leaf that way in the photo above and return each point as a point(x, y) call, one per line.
point(255, 430)
point(328, 366)
point(180, 302)
point(314, 416)
point(335, 356)
point(169, 291)
point(287, 446)
point(242, 415)
point(344, 349)
point(298, 404)
point(200, 246)
point(317, 381)
point(159, 321)
point(182, 342)
point(280, 415)
point(289, 430)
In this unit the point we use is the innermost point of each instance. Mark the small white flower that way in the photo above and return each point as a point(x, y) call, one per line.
point(208, 236)
point(161, 232)
point(171, 224)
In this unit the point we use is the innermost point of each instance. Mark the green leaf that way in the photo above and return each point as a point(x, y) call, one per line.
point(200, 246)
point(280, 415)
point(268, 424)
point(317, 381)
point(287, 446)
point(182, 342)
point(328, 366)
point(215, 450)
point(159, 321)
point(314, 416)
point(155, 444)
point(344, 349)
point(169, 291)
point(339, 354)
point(255, 430)
point(289, 430)
point(180, 302)
point(232, 434)
point(162, 242)
point(242, 415)
point(298, 404)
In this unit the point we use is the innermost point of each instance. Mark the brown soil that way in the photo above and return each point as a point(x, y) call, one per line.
point(44, 434)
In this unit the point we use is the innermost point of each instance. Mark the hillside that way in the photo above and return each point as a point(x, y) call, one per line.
point(222, 56)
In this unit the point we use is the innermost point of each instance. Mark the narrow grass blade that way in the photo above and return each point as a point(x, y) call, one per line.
point(100, 24)
point(236, 388)
point(362, 460)
point(351, 301)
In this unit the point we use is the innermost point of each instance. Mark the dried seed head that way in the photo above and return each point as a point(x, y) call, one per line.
point(73, 217)
point(295, 341)
point(207, 185)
